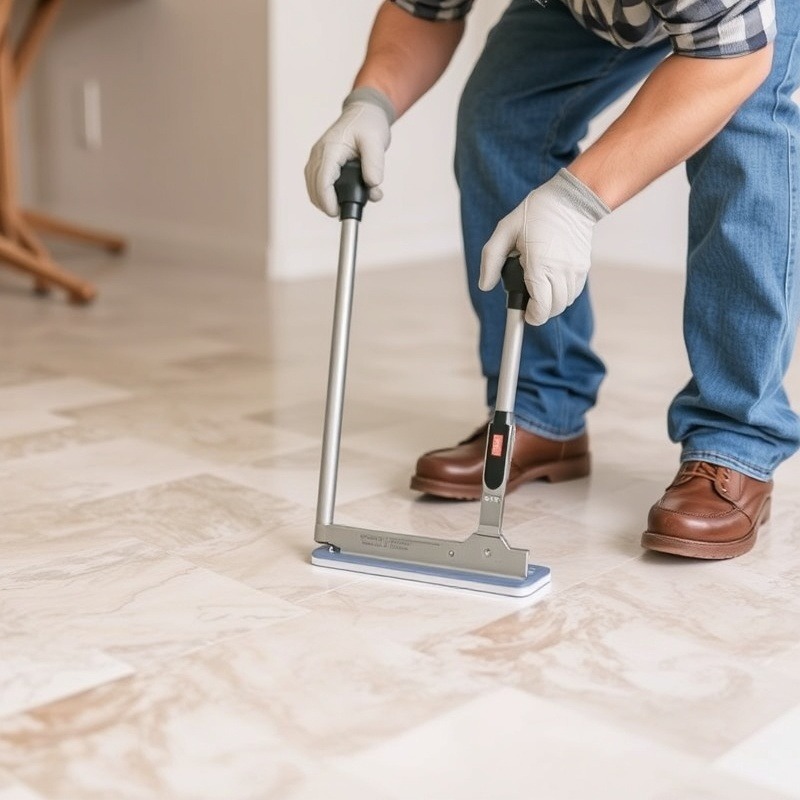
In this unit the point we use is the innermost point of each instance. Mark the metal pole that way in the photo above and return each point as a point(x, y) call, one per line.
point(509, 363)
point(337, 371)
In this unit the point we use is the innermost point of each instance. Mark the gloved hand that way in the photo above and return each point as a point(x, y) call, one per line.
point(362, 131)
point(552, 230)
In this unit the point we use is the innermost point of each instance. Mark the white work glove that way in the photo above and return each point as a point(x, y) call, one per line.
point(552, 230)
point(362, 131)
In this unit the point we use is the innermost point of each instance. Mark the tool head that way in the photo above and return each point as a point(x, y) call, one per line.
point(537, 581)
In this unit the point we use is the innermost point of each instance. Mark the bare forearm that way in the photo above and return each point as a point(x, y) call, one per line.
point(407, 55)
point(683, 104)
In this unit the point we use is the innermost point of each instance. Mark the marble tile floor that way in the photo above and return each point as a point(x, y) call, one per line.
point(162, 635)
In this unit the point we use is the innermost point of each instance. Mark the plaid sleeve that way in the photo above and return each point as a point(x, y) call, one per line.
point(436, 10)
point(738, 27)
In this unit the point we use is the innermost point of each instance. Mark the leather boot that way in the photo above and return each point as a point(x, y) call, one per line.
point(708, 511)
point(457, 472)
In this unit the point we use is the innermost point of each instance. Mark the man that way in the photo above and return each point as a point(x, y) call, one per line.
point(720, 75)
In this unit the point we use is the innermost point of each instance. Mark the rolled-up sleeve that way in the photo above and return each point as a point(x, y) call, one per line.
point(436, 11)
point(717, 28)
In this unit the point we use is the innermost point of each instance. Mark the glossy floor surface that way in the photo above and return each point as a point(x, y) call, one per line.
point(162, 634)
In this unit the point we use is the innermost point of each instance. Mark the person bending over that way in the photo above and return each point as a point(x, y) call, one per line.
point(717, 95)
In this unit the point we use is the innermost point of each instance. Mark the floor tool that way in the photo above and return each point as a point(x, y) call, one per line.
point(484, 561)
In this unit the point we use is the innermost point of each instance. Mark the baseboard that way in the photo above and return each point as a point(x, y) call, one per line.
point(155, 241)
point(217, 251)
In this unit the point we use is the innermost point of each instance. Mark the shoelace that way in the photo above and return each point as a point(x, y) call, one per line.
point(713, 472)
point(702, 469)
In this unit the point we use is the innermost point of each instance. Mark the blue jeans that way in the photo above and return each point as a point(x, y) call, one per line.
point(527, 104)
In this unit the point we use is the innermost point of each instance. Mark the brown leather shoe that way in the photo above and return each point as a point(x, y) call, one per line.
point(457, 472)
point(708, 511)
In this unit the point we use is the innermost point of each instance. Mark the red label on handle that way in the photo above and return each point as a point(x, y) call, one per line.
point(497, 444)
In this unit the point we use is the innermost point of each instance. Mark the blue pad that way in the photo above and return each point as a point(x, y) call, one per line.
point(538, 577)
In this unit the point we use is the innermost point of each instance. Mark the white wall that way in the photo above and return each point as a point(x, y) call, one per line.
point(209, 111)
point(312, 64)
point(650, 230)
point(182, 169)
point(313, 59)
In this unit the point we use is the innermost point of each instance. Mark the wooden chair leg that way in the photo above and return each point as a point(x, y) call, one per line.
point(19, 245)
point(58, 227)
point(30, 241)
point(46, 271)
point(33, 36)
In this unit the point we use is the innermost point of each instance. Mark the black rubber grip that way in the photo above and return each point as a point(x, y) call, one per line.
point(351, 191)
point(494, 466)
point(514, 282)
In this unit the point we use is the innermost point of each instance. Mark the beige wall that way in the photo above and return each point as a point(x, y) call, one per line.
point(209, 110)
point(183, 84)
point(198, 96)
point(311, 70)
point(313, 59)
point(650, 230)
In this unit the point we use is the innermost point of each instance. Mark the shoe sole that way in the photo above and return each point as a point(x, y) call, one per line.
point(716, 551)
point(567, 469)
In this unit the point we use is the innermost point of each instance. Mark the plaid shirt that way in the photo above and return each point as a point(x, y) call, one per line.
point(702, 28)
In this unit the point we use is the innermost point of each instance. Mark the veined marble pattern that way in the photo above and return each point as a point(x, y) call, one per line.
point(542, 750)
point(40, 670)
point(162, 635)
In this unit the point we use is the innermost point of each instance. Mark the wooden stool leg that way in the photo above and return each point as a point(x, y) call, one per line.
point(8, 171)
point(79, 291)
point(33, 37)
point(30, 241)
point(18, 244)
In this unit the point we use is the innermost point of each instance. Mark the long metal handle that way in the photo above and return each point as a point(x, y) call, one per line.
point(517, 301)
point(337, 372)
point(352, 194)
point(509, 362)
point(500, 435)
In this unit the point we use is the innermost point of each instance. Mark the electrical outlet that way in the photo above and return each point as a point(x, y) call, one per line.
point(92, 116)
